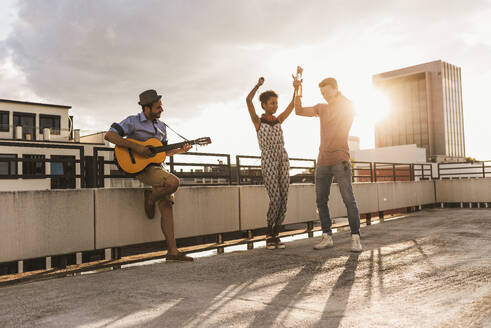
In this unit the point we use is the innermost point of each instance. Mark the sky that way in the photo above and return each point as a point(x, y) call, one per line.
point(205, 56)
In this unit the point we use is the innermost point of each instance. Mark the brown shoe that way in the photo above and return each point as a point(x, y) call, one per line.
point(149, 207)
point(180, 257)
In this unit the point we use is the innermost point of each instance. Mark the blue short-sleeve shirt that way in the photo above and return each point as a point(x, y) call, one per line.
point(140, 128)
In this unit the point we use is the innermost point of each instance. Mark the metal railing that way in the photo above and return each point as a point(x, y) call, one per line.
point(216, 172)
point(423, 171)
point(39, 175)
point(480, 169)
point(217, 169)
point(381, 171)
point(42, 175)
point(203, 172)
point(361, 171)
point(195, 168)
point(392, 172)
point(252, 173)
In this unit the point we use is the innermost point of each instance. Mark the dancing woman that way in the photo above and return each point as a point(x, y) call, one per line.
point(274, 158)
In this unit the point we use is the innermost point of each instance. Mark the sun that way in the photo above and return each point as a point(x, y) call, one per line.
point(371, 105)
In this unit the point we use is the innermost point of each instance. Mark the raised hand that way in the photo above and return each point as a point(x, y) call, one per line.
point(250, 106)
point(296, 82)
point(298, 77)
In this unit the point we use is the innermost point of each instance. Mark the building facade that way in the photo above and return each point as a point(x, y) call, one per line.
point(390, 154)
point(425, 109)
point(23, 120)
point(39, 149)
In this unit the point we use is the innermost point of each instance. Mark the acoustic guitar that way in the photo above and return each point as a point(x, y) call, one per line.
point(133, 163)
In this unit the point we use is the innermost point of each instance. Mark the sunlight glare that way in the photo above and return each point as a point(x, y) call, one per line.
point(372, 106)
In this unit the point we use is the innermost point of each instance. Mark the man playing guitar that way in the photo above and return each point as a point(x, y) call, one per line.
point(143, 126)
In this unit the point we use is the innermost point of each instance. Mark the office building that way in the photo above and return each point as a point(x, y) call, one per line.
point(425, 109)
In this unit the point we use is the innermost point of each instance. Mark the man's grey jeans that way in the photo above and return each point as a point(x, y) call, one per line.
point(324, 175)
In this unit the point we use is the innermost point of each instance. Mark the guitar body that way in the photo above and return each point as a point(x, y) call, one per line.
point(133, 163)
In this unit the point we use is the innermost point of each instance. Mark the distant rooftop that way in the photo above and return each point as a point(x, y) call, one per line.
point(433, 66)
point(33, 103)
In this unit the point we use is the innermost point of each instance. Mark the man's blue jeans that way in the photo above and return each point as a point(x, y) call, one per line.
point(324, 175)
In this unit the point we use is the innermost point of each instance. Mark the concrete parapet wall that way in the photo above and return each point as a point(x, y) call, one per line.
point(254, 203)
point(253, 207)
point(120, 218)
point(206, 210)
point(42, 223)
point(24, 184)
point(463, 190)
point(366, 195)
point(397, 194)
point(301, 205)
point(402, 194)
point(426, 193)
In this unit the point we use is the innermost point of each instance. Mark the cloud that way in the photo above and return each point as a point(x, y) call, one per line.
point(97, 56)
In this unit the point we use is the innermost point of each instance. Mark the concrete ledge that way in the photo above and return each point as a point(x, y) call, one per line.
point(206, 210)
point(42, 223)
point(366, 195)
point(425, 192)
point(463, 190)
point(45, 223)
point(301, 204)
point(399, 194)
point(254, 203)
point(120, 217)
point(24, 184)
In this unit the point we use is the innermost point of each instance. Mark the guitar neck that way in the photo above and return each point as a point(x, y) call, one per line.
point(173, 146)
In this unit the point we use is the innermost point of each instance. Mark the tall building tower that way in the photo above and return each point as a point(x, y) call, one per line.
point(425, 108)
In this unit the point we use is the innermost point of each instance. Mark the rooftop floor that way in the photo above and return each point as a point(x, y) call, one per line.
point(430, 269)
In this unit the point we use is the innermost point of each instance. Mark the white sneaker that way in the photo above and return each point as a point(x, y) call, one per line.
point(326, 242)
point(356, 244)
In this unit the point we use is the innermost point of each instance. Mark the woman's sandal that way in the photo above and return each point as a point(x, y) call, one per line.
point(270, 243)
point(279, 244)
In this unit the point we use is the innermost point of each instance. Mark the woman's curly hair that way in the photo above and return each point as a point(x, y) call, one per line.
point(264, 97)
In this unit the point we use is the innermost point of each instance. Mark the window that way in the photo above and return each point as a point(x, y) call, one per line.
point(63, 172)
point(51, 122)
point(8, 167)
point(33, 167)
point(4, 121)
point(27, 121)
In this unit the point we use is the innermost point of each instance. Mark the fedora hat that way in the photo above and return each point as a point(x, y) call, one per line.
point(148, 97)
